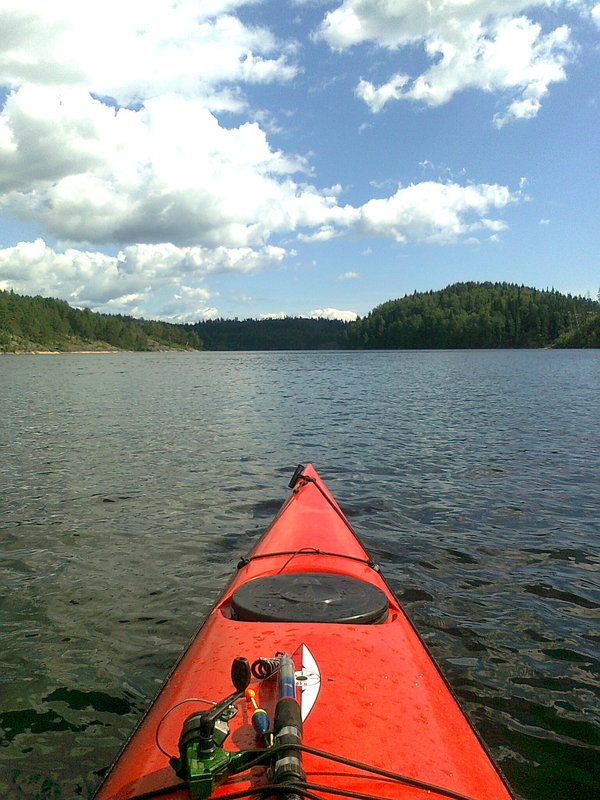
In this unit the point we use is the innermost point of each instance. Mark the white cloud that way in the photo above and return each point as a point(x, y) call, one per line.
point(434, 212)
point(483, 44)
point(333, 313)
point(188, 304)
point(346, 276)
point(139, 49)
point(169, 171)
point(164, 170)
point(131, 281)
point(396, 23)
point(317, 313)
point(377, 97)
point(428, 211)
point(324, 234)
point(595, 12)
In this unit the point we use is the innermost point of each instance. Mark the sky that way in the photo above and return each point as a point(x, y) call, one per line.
point(194, 159)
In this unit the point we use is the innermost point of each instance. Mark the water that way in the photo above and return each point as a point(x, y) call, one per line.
point(131, 483)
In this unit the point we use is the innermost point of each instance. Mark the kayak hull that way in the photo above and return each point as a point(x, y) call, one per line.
point(369, 692)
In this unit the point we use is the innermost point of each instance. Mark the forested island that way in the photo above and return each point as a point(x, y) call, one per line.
point(463, 315)
point(479, 315)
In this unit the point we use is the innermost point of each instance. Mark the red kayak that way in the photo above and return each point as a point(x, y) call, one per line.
point(306, 680)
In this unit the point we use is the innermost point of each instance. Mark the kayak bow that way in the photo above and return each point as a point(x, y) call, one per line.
point(359, 709)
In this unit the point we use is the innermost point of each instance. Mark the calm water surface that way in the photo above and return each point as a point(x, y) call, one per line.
point(130, 483)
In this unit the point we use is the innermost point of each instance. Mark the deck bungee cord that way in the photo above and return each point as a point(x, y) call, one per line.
point(311, 551)
point(306, 788)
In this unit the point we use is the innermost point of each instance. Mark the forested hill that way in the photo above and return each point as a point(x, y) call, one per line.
point(478, 315)
point(290, 333)
point(41, 323)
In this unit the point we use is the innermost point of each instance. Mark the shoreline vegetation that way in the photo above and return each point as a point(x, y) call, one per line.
point(44, 324)
point(468, 315)
point(101, 352)
point(56, 352)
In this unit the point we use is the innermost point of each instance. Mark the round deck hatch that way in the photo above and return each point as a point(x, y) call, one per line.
point(309, 597)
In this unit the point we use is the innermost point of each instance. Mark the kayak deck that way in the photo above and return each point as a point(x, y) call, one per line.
point(369, 691)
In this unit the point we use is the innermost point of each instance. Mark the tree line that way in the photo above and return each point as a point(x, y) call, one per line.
point(479, 315)
point(463, 315)
point(289, 333)
point(43, 323)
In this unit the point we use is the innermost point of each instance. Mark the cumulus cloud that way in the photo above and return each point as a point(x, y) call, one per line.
point(333, 313)
point(433, 212)
point(377, 96)
point(483, 44)
point(317, 313)
point(89, 173)
point(162, 277)
point(324, 234)
point(170, 171)
point(135, 50)
point(188, 304)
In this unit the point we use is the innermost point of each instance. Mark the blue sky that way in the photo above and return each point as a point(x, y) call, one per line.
point(194, 159)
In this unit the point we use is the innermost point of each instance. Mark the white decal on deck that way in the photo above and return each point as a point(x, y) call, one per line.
point(308, 679)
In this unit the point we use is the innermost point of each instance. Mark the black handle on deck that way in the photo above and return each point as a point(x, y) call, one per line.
point(288, 731)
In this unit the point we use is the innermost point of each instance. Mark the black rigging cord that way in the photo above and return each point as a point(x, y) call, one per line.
point(384, 773)
point(310, 550)
point(307, 789)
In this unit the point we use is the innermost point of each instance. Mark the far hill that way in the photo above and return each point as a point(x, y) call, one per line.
point(290, 333)
point(42, 323)
point(478, 315)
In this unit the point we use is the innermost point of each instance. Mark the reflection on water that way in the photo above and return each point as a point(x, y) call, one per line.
point(132, 482)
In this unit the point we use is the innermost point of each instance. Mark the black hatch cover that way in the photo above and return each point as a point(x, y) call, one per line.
point(309, 597)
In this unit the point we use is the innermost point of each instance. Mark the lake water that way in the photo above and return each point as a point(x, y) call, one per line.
point(130, 483)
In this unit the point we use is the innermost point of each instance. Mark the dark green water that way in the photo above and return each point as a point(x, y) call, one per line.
point(130, 483)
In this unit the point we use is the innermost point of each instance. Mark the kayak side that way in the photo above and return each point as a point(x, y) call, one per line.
point(371, 692)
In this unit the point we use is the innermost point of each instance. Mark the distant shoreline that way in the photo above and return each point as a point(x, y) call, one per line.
point(89, 352)
point(56, 352)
